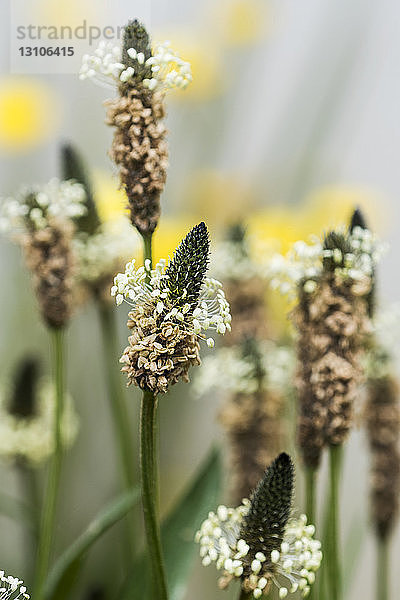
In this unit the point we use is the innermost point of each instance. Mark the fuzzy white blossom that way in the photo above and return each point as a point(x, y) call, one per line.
point(304, 262)
point(229, 371)
point(145, 287)
point(386, 327)
point(12, 588)
point(381, 357)
point(32, 437)
point(36, 206)
point(168, 70)
point(102, 253)
point(233, 260)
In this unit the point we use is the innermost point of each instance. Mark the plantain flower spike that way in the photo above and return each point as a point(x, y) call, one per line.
point(142, 75)
point(172, 306)
point(331, 280)
point(259, 542)
point(27, 405)
point(42, 220)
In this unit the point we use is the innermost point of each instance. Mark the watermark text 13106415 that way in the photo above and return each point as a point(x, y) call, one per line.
point(45, 38)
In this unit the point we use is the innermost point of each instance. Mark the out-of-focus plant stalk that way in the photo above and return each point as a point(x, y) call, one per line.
point(119, 411)
point(382, 570)
point(333, 563)
point(46, 533)
point(31, 493)
point(311, 480)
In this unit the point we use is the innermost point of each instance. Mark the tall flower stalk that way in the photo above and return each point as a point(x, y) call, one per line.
point(383, 426)
point(51, 494)
point(171, 306)
point(332, 281)
point(42, 220)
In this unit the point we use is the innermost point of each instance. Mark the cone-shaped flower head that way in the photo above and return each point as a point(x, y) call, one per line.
point(73, 168)
point(27, 405)
point(357, 220)
point(24, 395)
point(171, 308)
point(259, 542)
point(12, 588)
point(102, 248)
point(358, 226)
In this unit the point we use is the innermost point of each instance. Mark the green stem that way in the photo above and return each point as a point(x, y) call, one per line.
point(382, 572)
point(310, 484)
point(334, 572)
point(147, 248)
point(149, 482)
point(119, 411)
point(50, 498)
point(30, 494)
point(310, 477)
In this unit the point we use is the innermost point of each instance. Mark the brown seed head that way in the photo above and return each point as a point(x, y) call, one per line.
point(48, 254)
point(140, 151)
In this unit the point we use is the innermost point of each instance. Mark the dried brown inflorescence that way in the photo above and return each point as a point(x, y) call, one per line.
point(253, 423)
point(160, 352)
point(48, 255)
point(247, 302)
point(383, 423)
point(331, 322)
point(140, 151)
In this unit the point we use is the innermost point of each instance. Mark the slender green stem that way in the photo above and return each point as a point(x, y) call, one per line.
point(147, 248)
point(149, 472)
point(119, 411)
point(334, 571)
point(50, 499)
point(149, 482)
point(30, 494)
point(310, 484)
point(382, 571)
point(311, 479)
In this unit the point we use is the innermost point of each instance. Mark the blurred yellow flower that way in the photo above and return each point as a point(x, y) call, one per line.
point(324, 209)
point(30, 112)
point(169, 234)
point(242, 22)
point(111, 202)
point(219, 197)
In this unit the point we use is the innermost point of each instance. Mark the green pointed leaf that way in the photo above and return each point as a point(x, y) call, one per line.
point(66, 570)
point(177, 533)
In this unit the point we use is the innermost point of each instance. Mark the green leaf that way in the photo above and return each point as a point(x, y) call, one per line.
point(177, 533)
point(65, 572)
